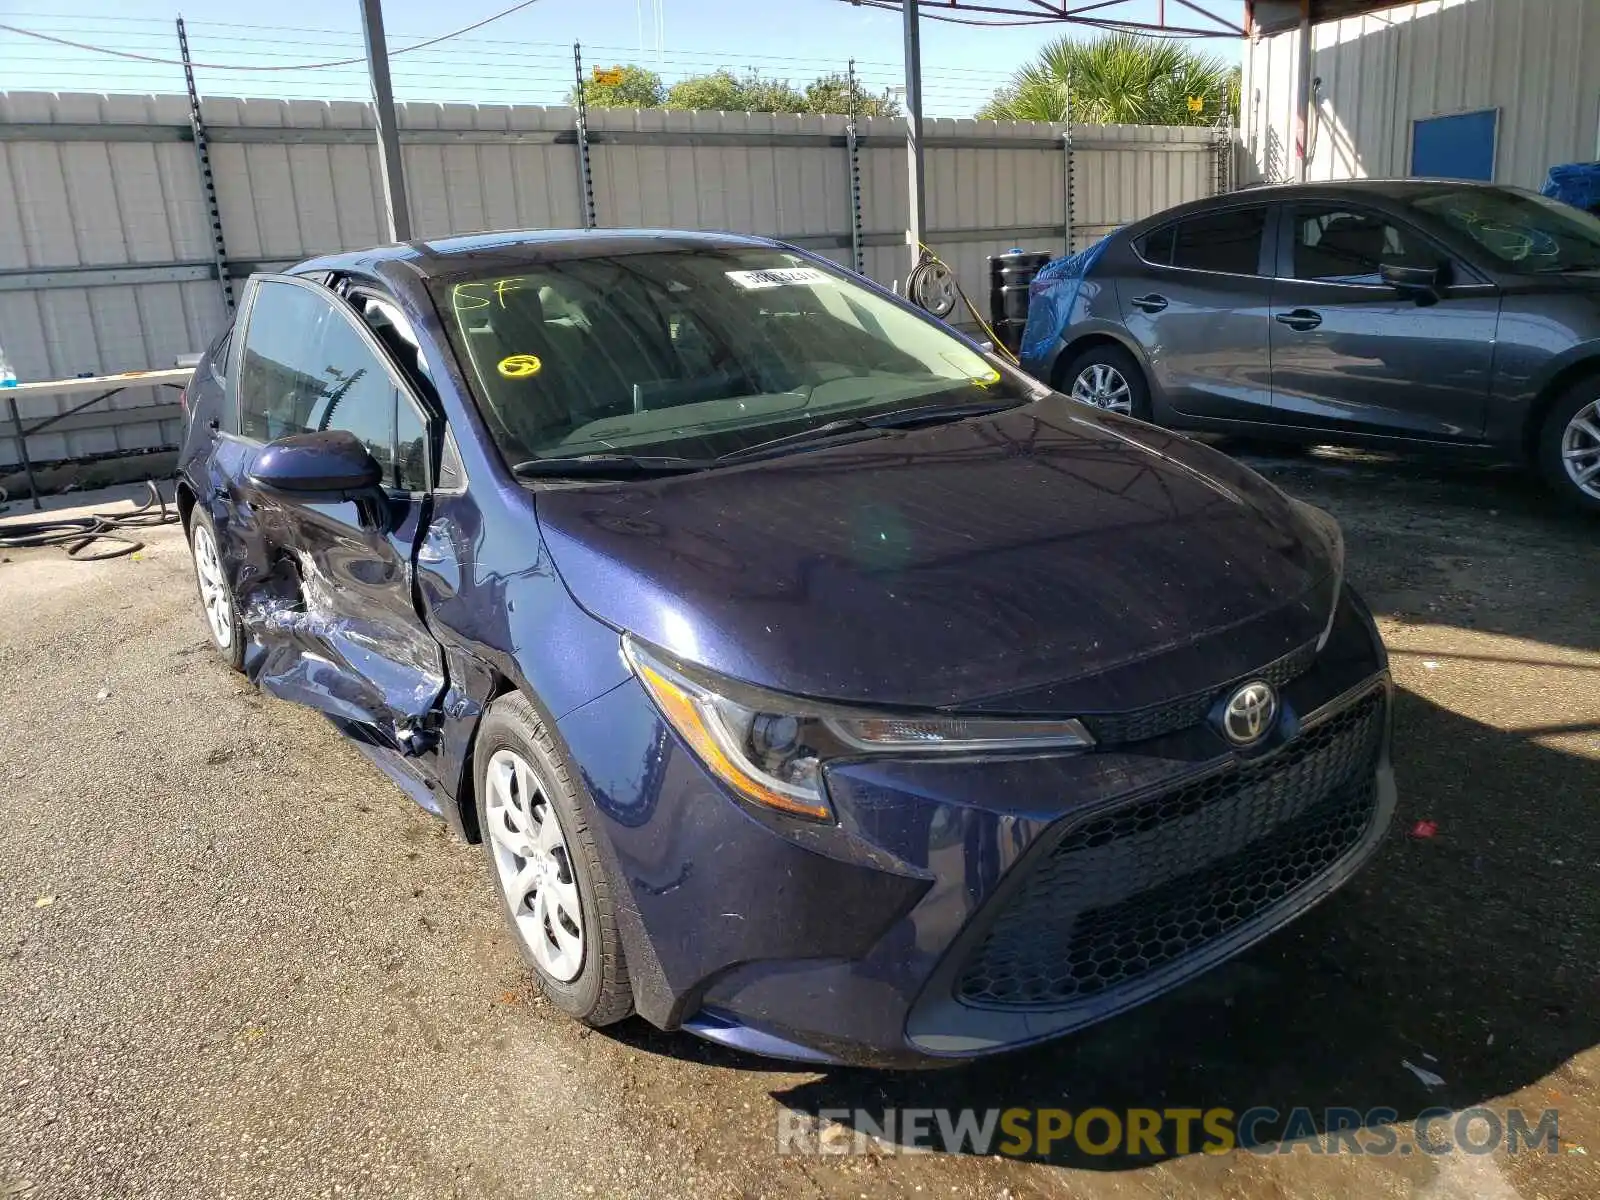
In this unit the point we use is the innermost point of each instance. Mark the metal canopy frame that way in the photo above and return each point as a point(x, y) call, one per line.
point(1102, 14)
point(1097, 14)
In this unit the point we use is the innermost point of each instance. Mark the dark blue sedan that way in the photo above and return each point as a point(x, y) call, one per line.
point(813, 680)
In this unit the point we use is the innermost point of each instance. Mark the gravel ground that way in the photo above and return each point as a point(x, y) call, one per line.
point(235, 961)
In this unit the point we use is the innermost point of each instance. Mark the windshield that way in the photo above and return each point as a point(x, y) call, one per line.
point(1525, 233)
point(695, 354)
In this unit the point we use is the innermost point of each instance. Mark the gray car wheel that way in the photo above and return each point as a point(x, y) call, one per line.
point(1107, 377)
point(1569, 446)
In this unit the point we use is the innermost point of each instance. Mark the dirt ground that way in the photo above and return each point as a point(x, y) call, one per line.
point(235, 961)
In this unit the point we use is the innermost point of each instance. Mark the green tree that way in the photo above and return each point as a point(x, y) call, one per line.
point(1119, 79)
point(722, 89)
point(839, 93)
point(638, 88)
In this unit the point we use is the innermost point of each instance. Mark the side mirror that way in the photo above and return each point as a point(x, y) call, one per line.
point(318, 467)
point(1423, 283)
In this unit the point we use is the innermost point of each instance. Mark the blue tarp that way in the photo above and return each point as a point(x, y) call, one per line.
point(1576, 183)
point(1053, 298)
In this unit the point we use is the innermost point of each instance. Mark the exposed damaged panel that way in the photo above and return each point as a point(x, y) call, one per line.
point(349, 646)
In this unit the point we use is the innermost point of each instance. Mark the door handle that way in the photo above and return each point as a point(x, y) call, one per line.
point(1152, 303)
point(1299, 319)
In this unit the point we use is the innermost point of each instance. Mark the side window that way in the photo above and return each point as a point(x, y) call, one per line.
point(306, 369)
point(452, 475)
point(274, 390)
point(1229, 242)
point(389, 325)
point(411, 448)
point(1156, 248)
point(1341, 245)
point(217, 354)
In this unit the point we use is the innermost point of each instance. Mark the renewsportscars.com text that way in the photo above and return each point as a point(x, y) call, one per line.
point(1155, 1133)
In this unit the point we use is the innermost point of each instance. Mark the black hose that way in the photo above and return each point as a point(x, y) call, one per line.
point(77, 534)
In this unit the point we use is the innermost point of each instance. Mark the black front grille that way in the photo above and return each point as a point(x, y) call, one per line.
point(1156, 719)
point(1135, 889)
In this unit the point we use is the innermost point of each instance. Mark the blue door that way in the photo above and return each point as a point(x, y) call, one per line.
point(1455, 147)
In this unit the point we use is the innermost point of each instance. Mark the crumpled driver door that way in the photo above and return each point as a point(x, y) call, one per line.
point(331, 612)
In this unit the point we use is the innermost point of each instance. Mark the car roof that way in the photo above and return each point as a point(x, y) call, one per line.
point(506, 250)
point(1341, 189)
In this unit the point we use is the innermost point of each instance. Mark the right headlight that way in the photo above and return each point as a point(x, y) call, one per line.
point(770, 748)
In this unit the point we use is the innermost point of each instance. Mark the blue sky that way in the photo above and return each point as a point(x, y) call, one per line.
point(524, 58)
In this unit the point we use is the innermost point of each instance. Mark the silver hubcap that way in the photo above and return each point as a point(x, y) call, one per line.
point(1104, 387)
point(1580, 449)
point(535, 867)
point(213, 588)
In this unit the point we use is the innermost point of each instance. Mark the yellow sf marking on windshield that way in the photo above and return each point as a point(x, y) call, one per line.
point(468, 296)
point(520, 366)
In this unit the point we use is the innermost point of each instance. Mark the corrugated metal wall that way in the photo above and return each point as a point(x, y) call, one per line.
point(297, 178)
point(93, 203)
point(1537, 61)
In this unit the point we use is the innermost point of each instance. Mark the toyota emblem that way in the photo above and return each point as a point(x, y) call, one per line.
point(1249, 713)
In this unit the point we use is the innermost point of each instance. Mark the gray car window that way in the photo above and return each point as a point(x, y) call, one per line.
point(1228, 242)
point(1342, 245)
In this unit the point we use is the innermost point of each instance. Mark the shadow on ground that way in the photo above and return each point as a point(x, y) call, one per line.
point(1483, 548)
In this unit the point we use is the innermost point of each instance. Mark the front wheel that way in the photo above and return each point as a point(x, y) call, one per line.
point(1569, 446)
point(554, 891)
point(1107, 377)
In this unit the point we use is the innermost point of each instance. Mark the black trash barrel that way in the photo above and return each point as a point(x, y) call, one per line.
point(1009, 276)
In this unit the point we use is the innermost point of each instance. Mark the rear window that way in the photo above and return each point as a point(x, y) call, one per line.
point(1226, 242)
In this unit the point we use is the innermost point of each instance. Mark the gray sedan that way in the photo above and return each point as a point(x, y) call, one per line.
point(1407, 314)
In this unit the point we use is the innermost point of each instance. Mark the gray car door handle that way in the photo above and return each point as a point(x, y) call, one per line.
point(1300, 319)
point(1151, 303)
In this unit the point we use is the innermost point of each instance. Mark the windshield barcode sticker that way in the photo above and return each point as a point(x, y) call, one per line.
point(753, 281)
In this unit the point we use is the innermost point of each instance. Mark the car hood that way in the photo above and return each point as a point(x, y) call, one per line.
point(1046, 559)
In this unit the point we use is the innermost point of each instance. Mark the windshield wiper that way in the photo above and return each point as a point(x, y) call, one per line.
point(868, 426)
point(605, 466)
point(932, 414)
point(823, 432)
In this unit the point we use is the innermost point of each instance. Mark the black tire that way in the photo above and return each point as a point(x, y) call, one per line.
point(200, 526)
point(1124, 364)
point(1552, 434)
point(600, 993)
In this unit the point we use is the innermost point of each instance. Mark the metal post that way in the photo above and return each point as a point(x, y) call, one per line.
point(914, 173)
point(389, 164)
point(1302, 93)
point(208, 182)
point(858, 262)
point(1066, 168)
point(22, 450)
point(585, 169)
point(1225, 157)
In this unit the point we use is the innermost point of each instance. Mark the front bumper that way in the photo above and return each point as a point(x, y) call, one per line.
point(961, 908)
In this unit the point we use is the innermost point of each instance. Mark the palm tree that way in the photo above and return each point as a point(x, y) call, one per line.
point(1119, 79)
